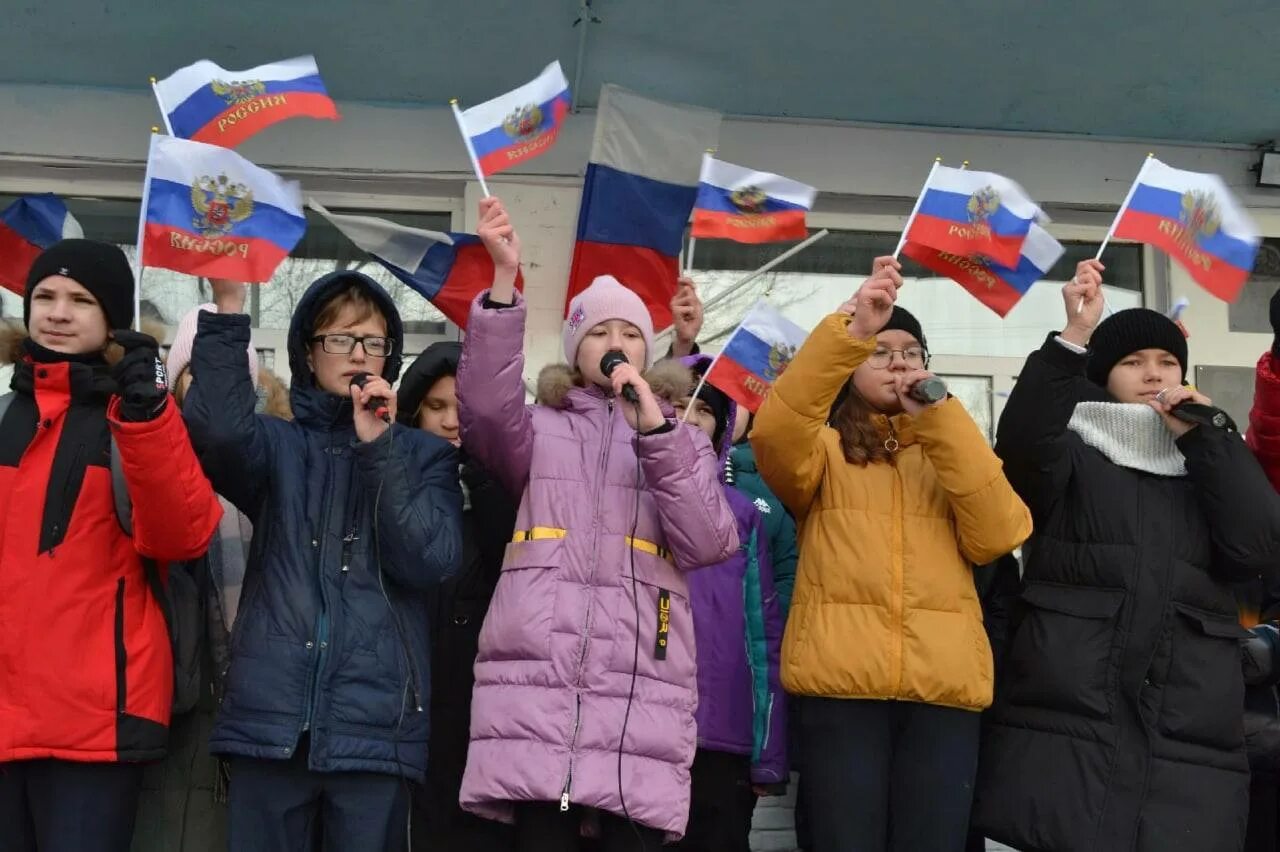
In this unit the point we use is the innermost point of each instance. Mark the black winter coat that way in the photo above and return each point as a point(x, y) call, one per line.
point(456, 610)
point(332, 634)
point(1117, 723)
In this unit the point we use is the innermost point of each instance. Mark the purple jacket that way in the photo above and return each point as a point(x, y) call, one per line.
point(559, 644)
point(738, 621)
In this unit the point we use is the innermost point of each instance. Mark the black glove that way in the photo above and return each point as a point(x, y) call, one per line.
point(1259, 655)
point(1275, 323)
point(144, 389)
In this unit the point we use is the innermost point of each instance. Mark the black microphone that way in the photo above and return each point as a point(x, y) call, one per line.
point(377, 403)
point(928, 390)
point(609, 363)
point(1203, 415)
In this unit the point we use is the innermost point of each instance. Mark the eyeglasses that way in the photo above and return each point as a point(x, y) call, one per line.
point(345, 344)
point(913, 356)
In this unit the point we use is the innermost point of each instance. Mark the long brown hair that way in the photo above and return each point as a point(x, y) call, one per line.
point(860, 440)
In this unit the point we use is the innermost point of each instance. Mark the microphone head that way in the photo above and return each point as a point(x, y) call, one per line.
point(611, 360)
point(361, 379)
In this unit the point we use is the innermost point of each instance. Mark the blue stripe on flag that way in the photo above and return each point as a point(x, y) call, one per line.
point(495, 139)
point(38, 219)
point(1168, 204)
point(749, 352)
point(626, 209)
point(717, 198)
point(203, 106)
point(429, 278)
point(169, 203)
point(954, 207)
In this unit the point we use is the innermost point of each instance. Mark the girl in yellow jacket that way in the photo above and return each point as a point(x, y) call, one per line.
point(895, 500)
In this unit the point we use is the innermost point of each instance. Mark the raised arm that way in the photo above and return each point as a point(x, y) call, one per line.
point(496, 424)
point(231, 440)
point(785, 437)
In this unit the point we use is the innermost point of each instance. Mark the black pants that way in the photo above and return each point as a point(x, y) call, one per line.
point(62, 806)
point(281, 806)
point(543, 827)
point(887, 775)
point(721, 805)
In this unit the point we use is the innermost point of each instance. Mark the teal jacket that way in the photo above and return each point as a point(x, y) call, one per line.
point(779, 525)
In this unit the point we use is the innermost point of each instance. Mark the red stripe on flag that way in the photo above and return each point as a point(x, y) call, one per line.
point(1209, 271)
point(237, 123)
point(650, 273)
point(738, 383)
point(253, 261)
point(470, 275)
point(965, 239)
point(987, 287)
point(750, 227)
point(517, 152)
point(16, 257)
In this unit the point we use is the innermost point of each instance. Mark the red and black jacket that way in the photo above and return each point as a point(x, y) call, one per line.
point(86, 669)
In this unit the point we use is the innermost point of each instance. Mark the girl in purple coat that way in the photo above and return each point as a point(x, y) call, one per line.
point(738, 622)
point(585, 680)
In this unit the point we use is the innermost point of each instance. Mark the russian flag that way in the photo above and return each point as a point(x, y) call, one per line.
point(519, 125)
point(28, 226)
point(758, 351)
point(449, 270)
point(639, 188)
point(973, 213)
point(998, 287)
point(735, 203)
point(211, 212)
point(208, 103)
point(1197, 221)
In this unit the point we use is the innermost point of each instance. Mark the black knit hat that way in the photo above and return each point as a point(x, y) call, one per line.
point(903, 320)
point(716, 400)
point(1129, 331)
point(101, 268)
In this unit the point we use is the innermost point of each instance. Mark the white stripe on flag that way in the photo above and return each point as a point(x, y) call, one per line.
point(490, 114)
point(1041, 248)
point(184, 82)
point(768, 324)
point(650, 138)
point(184, 161)
point(1236, 221)
point(1012, 196)
point(728, 176)
point(398, 245)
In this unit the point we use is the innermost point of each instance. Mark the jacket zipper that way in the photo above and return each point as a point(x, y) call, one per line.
point(67, 506)
point(122, 654)
point(896, 565)
point(586, 623)
point(322, 621)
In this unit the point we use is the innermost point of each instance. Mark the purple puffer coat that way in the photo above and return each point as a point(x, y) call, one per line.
point(559, 642)
point(738, 622)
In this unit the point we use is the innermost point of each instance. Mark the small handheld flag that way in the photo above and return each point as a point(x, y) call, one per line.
point(998, 287)
point(207, 103)
point(518, 126)
point(968, 213)
point(757, 352)
point(28, 226)
point(209, 211)
point(735, 203)
point(447, 269)
point(1196, 220)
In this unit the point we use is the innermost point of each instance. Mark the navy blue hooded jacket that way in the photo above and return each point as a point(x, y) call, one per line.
point(331, 636)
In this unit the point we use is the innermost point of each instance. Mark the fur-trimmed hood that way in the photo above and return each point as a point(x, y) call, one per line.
point(669, 380)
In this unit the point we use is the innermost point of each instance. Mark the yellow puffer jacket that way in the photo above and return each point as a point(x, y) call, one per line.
point(884, 603)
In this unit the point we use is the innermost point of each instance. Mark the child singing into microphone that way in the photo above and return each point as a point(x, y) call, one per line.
point(896, 500)
point(585, 681)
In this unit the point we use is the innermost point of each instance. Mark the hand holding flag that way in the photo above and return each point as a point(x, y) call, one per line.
point(875, 298)
point(503, 244)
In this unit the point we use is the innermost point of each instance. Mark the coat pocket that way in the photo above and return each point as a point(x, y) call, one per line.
point(1060, 654)
point(1203, 697)
point(521, 614)
point(662, 648)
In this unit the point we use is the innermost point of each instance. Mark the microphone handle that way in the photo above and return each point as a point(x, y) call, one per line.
point(630, 395)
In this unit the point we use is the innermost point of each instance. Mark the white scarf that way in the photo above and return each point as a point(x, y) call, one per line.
point(1129, 434)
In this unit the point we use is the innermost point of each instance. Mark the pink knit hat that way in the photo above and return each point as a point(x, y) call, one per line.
point(606, 299)
point(184, 338)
